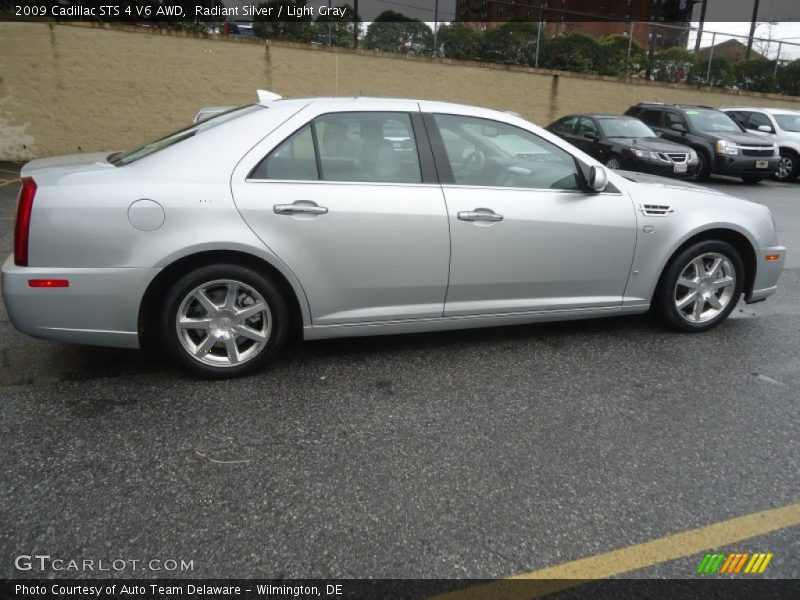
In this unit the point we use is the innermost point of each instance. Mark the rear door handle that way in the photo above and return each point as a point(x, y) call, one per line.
point(308, 208)
point(480, 214)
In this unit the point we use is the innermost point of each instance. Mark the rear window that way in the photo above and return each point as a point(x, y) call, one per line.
point(125, 158)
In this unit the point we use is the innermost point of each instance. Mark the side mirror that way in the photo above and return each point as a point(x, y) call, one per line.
point(766, 129)
point(679, 127)
point(590, 136)
point(598, 179)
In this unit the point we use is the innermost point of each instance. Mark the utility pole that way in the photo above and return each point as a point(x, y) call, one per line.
point(356, 24)
point(652, 45)
point(752, 30)
point(703, 7)
point(435, 27)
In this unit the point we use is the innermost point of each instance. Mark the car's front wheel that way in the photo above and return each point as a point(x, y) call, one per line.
point(614, 161)
point(224, 320)
point(700, 286)
point(788, 166)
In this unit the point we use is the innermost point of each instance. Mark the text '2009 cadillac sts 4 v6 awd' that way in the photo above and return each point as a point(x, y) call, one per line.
point(352, 217)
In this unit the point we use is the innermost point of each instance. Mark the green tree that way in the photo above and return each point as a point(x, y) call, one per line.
point(395, 32)
point(756, 75)
point(288, 29)
point(459, 41)
point(336, 31)
point(512, 43)
point(789, 78)
point(614, 60)
point(721, 74)
point(574, 52)
point(673, 64)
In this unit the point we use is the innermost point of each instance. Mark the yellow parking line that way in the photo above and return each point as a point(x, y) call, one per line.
point(7, 181)
point(640, 556)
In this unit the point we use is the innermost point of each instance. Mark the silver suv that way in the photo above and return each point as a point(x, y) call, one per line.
point(779, 124)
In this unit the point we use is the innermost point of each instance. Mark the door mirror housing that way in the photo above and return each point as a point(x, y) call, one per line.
point(766, 129)
point(598, 179)
point(679, 127)
point(590, 136)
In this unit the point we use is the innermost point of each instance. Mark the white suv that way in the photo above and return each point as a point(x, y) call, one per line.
point(780, 124)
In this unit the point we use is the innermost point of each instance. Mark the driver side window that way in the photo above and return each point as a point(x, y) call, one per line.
point(488, 153)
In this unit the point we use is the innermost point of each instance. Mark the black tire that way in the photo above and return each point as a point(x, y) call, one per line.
point(666, 295)
point(791, 163)
point(273, 322)
point(752, 180)
point(703, 171)
point(614, 159)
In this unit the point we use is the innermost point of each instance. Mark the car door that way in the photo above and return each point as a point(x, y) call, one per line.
point(668, 119)
point(524, 235)
point(350, 202)
point(588, 136)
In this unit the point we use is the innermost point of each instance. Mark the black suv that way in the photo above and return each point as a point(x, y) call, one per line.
point(722, 146)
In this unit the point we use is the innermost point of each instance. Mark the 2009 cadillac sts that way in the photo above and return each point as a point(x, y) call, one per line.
point(350, 217)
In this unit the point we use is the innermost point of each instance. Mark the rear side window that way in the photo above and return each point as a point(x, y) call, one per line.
point(567, 125)
point(294, 159)
point(650, 116)
point(354, 147)
point(367, 147)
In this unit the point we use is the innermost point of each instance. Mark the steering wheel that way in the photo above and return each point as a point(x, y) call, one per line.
point(474, 161)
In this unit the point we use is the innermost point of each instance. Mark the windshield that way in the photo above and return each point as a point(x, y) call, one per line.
point(125, 158)
point(788, 122)
point(632, 128)
point(711, 121)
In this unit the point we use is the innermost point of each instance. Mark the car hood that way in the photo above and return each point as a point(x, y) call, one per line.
point(71, 163)
point(669, 183)
point(653, 144)
point(743, 139)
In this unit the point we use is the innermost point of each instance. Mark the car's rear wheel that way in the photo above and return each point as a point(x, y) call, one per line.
point(224, 320)
point(614, 161)
point(700, 287)
point(788, 166)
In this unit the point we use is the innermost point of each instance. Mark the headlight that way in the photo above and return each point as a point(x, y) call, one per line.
point(725, 147)
point(692, 156)
point(777, 151)
point(646, 154)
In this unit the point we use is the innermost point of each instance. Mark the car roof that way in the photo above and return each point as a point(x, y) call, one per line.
point(367, 101)
point(667, 105)
point(772, 111)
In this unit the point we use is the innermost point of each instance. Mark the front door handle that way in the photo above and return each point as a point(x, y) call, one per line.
point(480, 214)
point(309, 208)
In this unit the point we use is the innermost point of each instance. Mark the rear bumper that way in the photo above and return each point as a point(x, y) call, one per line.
point(100, 307)
point(767, 274)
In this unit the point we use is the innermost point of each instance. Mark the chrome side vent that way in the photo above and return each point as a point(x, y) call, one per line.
point(656, 210)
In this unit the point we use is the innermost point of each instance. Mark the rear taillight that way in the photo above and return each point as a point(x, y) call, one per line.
point(23, 227)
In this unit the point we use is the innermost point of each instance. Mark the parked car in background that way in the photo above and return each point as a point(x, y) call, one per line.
point(779, 125)
point(622, 142)
point(337, 217)
point(722, 145)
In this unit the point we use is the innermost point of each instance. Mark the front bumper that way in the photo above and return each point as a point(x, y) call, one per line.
point(767, 273)
point(744, 166)
point(659, 168)
point(100, 307)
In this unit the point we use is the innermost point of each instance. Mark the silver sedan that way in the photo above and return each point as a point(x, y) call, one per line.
point(324, 218)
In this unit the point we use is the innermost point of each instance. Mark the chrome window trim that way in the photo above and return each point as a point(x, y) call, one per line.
point(327, 182)
point(495, 188)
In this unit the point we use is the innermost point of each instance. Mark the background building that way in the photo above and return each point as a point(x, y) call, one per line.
point(593, 17)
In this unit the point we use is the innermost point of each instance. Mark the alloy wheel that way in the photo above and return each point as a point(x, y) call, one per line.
point(614, 163)
point(705, 288)
point(223, 323)
point(785, 167)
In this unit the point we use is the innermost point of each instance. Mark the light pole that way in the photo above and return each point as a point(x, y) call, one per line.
point(752, 30)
